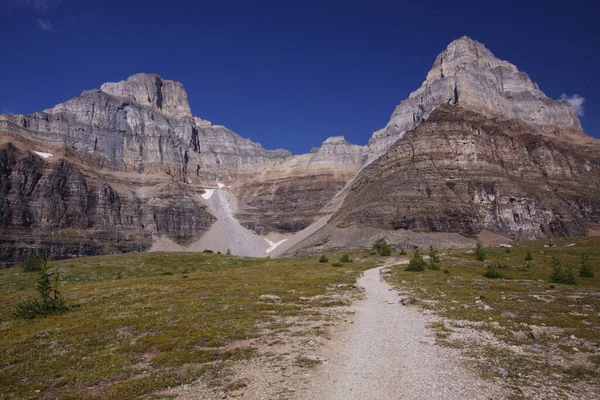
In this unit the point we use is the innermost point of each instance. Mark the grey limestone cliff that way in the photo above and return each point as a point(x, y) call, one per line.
point(469, 75)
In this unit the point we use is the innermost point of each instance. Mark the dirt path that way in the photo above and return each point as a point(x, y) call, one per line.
point(388, 353)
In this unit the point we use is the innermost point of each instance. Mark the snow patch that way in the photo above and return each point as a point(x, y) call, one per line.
point(220, 185)
point(273, 245)
point(208, 194)
point(43, 155)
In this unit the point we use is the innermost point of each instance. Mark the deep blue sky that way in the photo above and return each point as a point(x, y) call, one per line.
point(288, 74)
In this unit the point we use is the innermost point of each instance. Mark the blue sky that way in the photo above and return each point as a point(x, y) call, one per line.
point(288, 74)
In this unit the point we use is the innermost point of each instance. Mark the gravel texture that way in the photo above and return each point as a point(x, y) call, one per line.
point(389, 353)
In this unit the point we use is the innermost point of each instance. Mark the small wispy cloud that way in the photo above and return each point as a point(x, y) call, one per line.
point(576, 102)
point(37, 5)
point(44, 24)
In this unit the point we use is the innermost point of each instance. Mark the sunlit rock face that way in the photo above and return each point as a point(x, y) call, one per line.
point(461, 171)
point(118, 167)
point(469, 75)
point(130, 158)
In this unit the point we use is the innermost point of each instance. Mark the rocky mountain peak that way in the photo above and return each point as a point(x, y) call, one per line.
point(167, 96)
point(339, 145)
point(464, 53)
point(467, 74)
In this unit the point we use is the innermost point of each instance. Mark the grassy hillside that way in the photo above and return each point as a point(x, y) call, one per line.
point(144, 322)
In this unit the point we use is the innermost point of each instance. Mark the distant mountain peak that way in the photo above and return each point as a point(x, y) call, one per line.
point(167, 96)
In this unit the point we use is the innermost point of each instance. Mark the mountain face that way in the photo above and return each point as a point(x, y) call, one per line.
point(129, 158)
point(127, 166)
point(467, 74)
point(460, 171)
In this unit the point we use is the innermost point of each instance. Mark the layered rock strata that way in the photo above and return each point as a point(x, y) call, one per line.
point(461, 171)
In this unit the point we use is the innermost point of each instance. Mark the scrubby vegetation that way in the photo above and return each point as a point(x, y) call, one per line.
point(585, 267)
point(345, 258)
point(480, 253)
point(492, 272)
point(434, 259)
point(382, 247)
point(562, 273)
point(543, 333)
point(50, 300)
point(140, 323)
point(323, 259)
point(34, 262)
point(416, 263)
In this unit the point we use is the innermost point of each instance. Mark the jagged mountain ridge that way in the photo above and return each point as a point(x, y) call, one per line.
point(469, 75)
point(138, 141)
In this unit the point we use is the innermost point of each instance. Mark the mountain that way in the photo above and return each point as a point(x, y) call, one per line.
point(127, 167)
point(467, 74)
point(477, 148)
point(119, 167)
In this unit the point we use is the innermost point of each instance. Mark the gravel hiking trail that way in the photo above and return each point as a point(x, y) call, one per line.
point(389, 353)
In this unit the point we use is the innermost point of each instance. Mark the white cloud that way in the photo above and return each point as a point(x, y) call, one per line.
point(44, 24)
point(576, 101)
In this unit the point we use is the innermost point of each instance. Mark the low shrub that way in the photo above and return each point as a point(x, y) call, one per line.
point(336, 264)
point(480, 253)
point(34, 262)
point(323, 259)
point(492, 272)
point(561, 273)
point(345, 259)
point(402, 252)
point(585, 267)
point(417, 263)
point(207, 251)
point(382, 247)
point(529, 256)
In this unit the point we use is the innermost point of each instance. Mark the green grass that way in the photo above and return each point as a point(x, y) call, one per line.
point(522, 299)
point(143, 322)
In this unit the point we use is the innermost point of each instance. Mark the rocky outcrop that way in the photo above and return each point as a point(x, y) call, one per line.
point(289, 195)
point(126, 136)
point(166, 96)
point(463, 172)
point(142, 124)
point(57, 206)
point(469, 75)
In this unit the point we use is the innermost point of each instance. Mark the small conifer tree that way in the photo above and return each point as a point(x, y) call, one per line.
point(434, 259)
point(480, 253)
point(416, 263)
point(585, 267)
